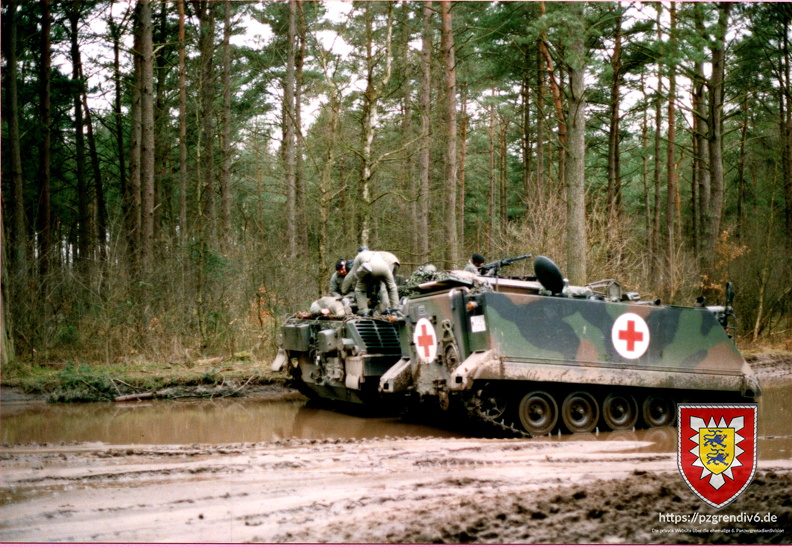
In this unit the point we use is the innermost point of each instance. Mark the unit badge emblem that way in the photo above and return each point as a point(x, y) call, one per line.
point(716, 451)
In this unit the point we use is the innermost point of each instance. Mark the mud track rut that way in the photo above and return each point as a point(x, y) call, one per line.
point(381, 490)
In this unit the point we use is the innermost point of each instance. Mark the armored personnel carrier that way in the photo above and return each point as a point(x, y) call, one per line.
point(526, 356)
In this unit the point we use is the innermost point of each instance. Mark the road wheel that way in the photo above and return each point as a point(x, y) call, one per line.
point(538, 413)
point(619, 411)
point(493, 402)
point(580, 412)
point(658, 411)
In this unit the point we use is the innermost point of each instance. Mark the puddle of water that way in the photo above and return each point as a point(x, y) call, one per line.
point(194, 421)
point(255, 420)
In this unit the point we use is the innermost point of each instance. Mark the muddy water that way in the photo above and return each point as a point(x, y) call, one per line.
point(195, 421)
point(251, 419)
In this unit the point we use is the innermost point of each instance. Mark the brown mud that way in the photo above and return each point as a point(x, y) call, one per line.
point(382, 490)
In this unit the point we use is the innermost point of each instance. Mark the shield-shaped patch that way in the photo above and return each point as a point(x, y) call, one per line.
point(716, 451)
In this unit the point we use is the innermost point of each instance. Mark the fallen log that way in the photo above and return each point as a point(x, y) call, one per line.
point(134, 397)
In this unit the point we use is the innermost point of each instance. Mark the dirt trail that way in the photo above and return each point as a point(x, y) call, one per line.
point(394, 490)
point(382, 490)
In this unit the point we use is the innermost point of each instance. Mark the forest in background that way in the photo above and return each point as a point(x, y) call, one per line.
point(177, 176)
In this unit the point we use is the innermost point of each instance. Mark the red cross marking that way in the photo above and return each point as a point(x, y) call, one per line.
point(631, 336)
point(426, 341)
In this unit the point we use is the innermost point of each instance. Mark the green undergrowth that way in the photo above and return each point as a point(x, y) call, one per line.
point(80, 382)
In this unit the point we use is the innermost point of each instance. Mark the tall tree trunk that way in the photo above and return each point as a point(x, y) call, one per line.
point(645, 172)
point(540, 124)
point(557, 101)
point(371, 98)
point(451, 233)
point(44, 220)
point(525, 131)
point(100, 239)
point(7, 350)
point(741, 184)
point(133, 197)
point(614, 164)
point(182, 128)
point(786, 121)
point(701, 159)
point(425, 106)
point(716, 86)
point(83, 215)
point(326, 177)
point(147, 161)
point(575, 165)
point(18, 230)
point(206, 15)
point(492, 226)
point(299, 164)
point(655, 237)
point(671, 175)
point(225, 174)
point(118, 118)
point(288, 147)
point(503, 193)
point(461, 168)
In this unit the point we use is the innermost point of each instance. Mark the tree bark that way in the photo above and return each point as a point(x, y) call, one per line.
point(44, 220)
point(371, 99)
point(18, 232)
point(645, 170)
point(225, 174)
point(614, 163)
point(147, 162)
point(540, 125)
point(182, 128)
point(121, 154)
point(288, 146)
point(701, 148)
point(83, 216)
point(557, 101)
point(492, 226)
point(525, 132)
point(461, 174)
point(134, 197)
point(451, 234)
point(426, 106)
point(671, 175)
point(503, 125)
point(299, 165)
point(575, 165)
point(205, 11)
point(655, 236)
point(716, 87)
point(786, 133)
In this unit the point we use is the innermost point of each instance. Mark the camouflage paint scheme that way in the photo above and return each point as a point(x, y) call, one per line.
point(499, 342)
point(568, 340)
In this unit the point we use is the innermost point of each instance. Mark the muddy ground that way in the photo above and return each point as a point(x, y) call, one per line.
point(388, 490)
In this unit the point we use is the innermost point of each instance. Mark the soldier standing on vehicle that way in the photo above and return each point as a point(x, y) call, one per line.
point(476, 262)
point(369, 270)
point(337, 279)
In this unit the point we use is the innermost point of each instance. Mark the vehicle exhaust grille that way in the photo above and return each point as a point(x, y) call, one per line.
point(377, 336)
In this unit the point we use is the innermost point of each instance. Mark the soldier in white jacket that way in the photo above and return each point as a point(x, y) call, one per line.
point(369, 270)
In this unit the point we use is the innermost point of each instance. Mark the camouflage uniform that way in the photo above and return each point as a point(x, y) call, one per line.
point(370, 268)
